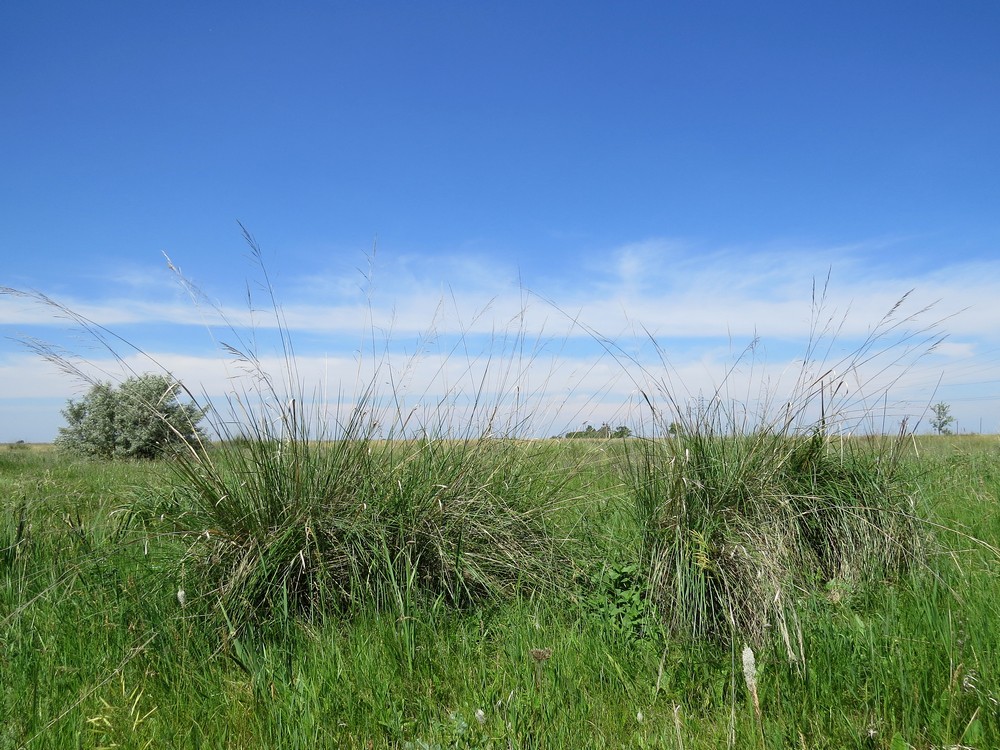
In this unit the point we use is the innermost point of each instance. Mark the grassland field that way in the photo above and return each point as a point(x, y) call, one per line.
point(98, 648)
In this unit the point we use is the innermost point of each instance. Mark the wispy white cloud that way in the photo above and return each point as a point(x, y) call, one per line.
point(672, 288)
point(681, 291)
point(703, 306)
point(955, 350)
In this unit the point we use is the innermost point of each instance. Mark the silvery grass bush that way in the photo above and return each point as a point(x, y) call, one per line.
point(743, 515)
point(383, 506)
point(291, 510)
point(140, 419)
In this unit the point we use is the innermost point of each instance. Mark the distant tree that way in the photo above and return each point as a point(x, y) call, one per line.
point(675, 429)
point(141, 418)
point(622, 432)
point(942, 418)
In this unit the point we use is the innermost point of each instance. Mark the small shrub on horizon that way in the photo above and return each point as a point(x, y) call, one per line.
point(140, 419)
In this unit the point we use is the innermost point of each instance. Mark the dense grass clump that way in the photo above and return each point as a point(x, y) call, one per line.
point(737, 527)
point(375, 507)
point(747, 511)
point(356, 523)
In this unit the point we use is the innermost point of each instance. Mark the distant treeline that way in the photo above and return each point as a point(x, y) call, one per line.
point(604, 431)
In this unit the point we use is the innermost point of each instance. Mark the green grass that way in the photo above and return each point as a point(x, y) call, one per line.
point(96, 650)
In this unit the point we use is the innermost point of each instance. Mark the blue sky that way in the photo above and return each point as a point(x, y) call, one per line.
point(685, 169)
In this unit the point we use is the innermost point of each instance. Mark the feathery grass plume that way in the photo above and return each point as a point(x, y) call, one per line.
point(739, 513)
point(750, 677)
point(384, 505)
point(375, 497)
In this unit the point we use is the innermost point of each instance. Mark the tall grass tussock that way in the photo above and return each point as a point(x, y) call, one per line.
point(744, 516)
point(352, 523)
point(294, 510)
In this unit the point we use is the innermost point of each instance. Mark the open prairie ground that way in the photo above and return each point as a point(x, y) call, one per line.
point(113, 632)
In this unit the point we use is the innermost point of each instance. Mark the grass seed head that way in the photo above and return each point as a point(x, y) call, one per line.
point(750, 669)
point(541, 654)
